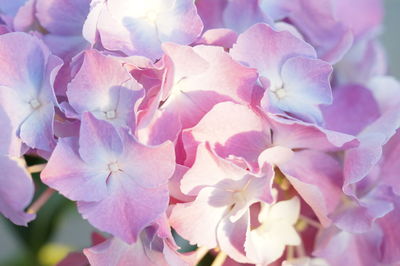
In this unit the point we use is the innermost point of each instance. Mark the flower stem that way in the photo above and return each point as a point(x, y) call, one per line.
point(36, 168)
point(300, 250)
point(311, 222)
point(200, 253)
point(289, 252)
point(35, 207)
point(220, 259)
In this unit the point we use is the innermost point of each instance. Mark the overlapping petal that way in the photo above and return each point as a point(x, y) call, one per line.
point(295, 81)
point(26, 81)
point(16, 191)
point(139, 28)
point(112, 96)
point(137, 194)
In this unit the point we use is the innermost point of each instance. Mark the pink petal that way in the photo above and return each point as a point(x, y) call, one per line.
point(111, 96)
point(277, 9)
point(260, 40)
point(27, 92)
point(71, 176)
point(298, 135)
point(149, 166)
point(307, 85)
point(74, 258)
point(16, 191)
point(184, 100)
point(390, 248)
point(369, 201)
point(232, 237)
point(24, 19)
point(390, 166)
point(210, 12)
point(317, 178)
point(182, 14)
point(345, 116)
point(197, 221)
point(249, 13)
point(219, 37)
point(174, 184)
point(99, 141)
point(242, 134)
point(22, 70)
point(332, 243)
point(358, 162)
point(150, 249)
point(208, 170)
point(9, 143)
point(116, 252)
point(122, 26)
point(363, 17)
point(132, 206)
point(63, 17)
point(315, 19)
point(37, 129)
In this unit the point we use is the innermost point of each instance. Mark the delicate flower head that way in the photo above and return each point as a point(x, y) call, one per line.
point(26, 88)
point(139, 27)
point(296, 82)
point(110, 172)
point(112, 97)
point(267, 242)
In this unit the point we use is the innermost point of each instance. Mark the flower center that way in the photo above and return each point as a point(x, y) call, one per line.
point(111, 114)
point(35, 104)
point(113, 167)
point(151, 16)
point(279, 90)
point(176, 90)
point(280, 93)
point(240, 197)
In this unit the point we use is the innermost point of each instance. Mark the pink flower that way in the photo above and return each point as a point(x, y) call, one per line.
point(155, 246)
point(181, 102)
point(220, 214)
point(27, 75)
point(295, 81)
point(266, 243)
point(16, 191)
point(296, 148)
point(64, 21)
point(139, 27)
point(110, 174)
point(113, 96)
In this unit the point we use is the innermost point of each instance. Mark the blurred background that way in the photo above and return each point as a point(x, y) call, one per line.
point(391, 36)
point(59, 229)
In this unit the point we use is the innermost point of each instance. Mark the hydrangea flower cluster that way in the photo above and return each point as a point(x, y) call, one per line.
point(262, 131)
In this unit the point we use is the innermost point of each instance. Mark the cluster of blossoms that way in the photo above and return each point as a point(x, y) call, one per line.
point(260, 130)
